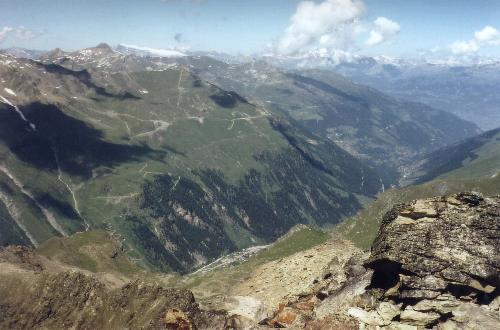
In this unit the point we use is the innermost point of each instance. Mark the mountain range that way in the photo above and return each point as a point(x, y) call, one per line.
point(187, 157)
point(183, 170)
point(464, 88)
point(252, 189)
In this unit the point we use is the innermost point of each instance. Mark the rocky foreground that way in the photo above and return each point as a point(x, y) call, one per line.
point(435, 264)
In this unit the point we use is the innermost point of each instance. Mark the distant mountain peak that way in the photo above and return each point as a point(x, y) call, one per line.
point(104, 46)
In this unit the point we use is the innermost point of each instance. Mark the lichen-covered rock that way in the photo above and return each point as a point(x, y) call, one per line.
point(440, 257)
point(439, 244)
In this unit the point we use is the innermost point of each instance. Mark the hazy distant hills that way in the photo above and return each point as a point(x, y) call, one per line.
point(188, 157)
point(475, 157)
point(469, 165)
point(23, 52)
point(468, 89)
point(182, 170)
point(372, 126)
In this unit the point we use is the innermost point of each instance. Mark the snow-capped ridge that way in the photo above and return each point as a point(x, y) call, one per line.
point(148, 51)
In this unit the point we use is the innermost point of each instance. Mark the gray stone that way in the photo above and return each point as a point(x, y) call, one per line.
point(417, 318)
point(443, 241)
point(442, 304)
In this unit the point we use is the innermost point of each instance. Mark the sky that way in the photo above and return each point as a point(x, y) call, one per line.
point(396, 28)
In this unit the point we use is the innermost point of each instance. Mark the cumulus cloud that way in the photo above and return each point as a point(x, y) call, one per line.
point(486, 36)
point(20, 33)
point(383, 29)
point(4, 32)
point(330, 24)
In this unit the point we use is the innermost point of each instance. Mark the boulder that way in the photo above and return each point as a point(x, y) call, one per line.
point(439, 244)
point(440, 258)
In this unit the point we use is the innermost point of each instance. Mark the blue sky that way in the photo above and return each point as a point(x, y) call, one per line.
point(407, 28)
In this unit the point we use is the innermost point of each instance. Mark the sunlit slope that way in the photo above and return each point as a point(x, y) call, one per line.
point(182, 170)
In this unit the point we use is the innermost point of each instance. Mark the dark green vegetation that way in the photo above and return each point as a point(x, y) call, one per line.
point(472, 165)
point(297, 241)
point(182, 170)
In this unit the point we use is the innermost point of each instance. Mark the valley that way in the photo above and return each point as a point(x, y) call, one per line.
point(182, 191)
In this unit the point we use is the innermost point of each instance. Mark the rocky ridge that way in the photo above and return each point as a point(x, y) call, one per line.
point(433, 265)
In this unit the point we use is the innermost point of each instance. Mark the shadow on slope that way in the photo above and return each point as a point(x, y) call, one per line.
point(59, 138)
point(84, 77)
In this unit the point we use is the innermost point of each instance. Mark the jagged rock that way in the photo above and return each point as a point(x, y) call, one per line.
point(370, 318)
point(74, 300)
point(443, 304)
point(388, 311)
point(449, 244)
point(440, 256)
point(471, 317)
point(178, 320)
point(22, 256)
point(401, 326)
point(413, 317)
point(382, 316)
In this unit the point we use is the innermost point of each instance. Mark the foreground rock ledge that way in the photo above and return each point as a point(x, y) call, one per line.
point(437, 261)
point(435, 264)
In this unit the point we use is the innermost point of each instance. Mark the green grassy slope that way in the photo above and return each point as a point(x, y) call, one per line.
point(95, 251)
point(475, 157)
point(182, 170)
point(217, 282)
point(372, 126)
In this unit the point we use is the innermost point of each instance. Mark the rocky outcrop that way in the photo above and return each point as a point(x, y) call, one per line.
point(436, 263)
point(21, 256)
point(74, 300)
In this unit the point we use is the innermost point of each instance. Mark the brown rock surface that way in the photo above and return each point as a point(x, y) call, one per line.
point(74, 300)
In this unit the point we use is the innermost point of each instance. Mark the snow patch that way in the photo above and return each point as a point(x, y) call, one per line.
point(156, 51)
point(9, 91)
point(16, 109)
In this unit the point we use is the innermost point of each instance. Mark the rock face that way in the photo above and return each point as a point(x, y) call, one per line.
point(438, 257)
point(435, 264)
point(449, 244)
point(74, 300)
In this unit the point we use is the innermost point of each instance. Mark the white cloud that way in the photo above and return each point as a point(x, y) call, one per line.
point(157, 51)
point(486, 36)
point(383, 29)
point(20, 33)
point(464, 47)
point(331, 23)
point(25, 34)
point(4, 32)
